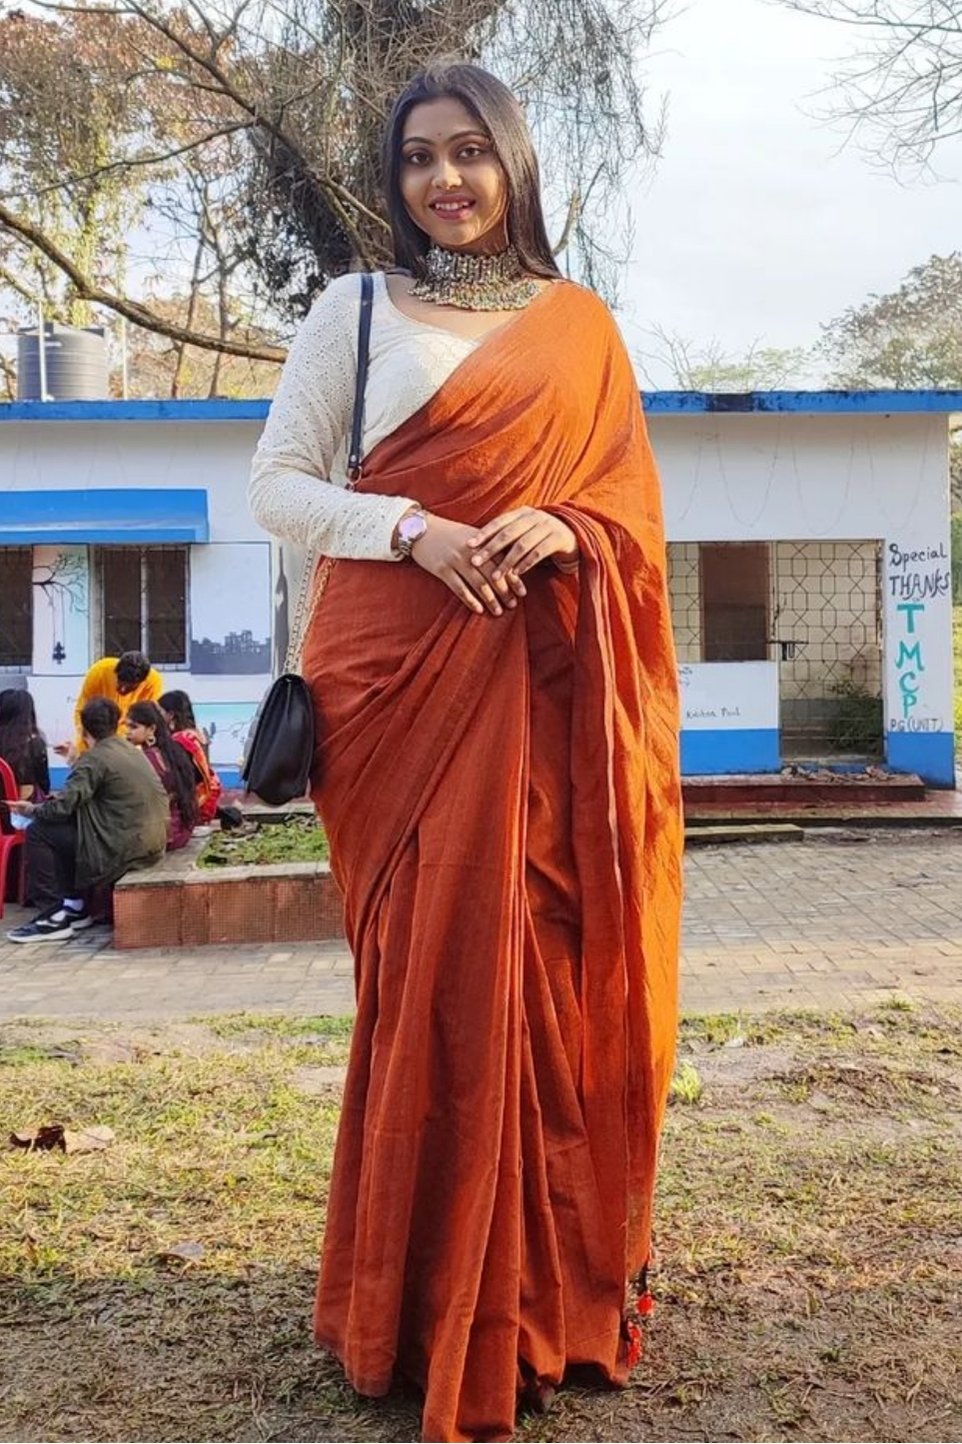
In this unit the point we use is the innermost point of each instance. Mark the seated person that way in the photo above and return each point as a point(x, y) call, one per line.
point(111, 816)
point(124, 680)
point(179, 716)
point(147, 730)
point(22, 747)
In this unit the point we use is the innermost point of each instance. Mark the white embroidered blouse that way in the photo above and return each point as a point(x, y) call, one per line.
point(299, 475)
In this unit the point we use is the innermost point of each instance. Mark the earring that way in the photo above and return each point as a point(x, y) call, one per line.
point(151, 739)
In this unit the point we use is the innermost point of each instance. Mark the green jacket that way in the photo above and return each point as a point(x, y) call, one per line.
point(121, 810)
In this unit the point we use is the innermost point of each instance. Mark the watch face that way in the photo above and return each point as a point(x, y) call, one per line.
point(412, 528)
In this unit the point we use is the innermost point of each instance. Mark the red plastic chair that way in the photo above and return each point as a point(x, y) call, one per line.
point(11, 839)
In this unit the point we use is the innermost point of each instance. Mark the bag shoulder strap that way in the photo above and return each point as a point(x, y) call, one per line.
point(363, 356)
point(312, 584)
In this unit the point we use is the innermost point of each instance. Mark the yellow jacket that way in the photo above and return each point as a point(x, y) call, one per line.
point(101, 681)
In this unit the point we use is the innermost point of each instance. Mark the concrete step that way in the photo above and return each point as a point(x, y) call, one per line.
point(801, 789)
point(710, 835)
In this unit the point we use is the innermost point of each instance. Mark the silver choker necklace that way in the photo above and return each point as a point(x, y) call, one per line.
point(475, 283)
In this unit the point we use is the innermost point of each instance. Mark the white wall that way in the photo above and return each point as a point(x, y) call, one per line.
point(792, 477)
point(48, 456)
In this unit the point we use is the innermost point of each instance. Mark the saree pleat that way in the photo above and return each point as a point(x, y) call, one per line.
point(502, 801)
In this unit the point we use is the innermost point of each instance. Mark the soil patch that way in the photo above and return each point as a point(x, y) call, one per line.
point(299, 839)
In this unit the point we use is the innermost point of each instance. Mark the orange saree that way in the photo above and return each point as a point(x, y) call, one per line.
point(503, 806)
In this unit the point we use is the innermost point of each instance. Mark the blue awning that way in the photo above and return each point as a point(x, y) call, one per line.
point(121, 514)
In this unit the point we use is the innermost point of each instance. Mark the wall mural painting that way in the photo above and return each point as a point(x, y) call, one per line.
point(227, 725)
point(61, 613)
point(920, 583)
point(230, 609)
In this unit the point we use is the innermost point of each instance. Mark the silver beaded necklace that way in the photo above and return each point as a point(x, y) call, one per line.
point(475, 283)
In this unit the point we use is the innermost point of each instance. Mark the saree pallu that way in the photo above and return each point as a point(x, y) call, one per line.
point(208, 785)
point(503, 805)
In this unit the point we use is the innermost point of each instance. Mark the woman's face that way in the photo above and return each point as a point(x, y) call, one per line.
point(139, 733)
point(452, 181)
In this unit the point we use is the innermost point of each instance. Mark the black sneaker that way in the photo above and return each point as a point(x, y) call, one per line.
point(53, 927)
point(79, 919)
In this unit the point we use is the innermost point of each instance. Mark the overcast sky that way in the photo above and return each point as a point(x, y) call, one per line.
point(755, 224)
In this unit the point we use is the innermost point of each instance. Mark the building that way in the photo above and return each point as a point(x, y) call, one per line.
point(808, 550)
point(810, 576)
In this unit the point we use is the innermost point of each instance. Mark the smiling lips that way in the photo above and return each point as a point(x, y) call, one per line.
point(452, 207)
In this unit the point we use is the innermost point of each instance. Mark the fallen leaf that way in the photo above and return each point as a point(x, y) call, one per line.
point(69, 1140)
point(88, 1140)
point(187, 1252)
point(37, 1140)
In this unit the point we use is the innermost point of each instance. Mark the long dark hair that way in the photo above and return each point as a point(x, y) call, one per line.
point(180, 769)
point(178, 705)
point(18, 727)
point(499, 114)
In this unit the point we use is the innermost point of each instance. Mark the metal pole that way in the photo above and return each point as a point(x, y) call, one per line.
point(42, 352)
point(123, 357)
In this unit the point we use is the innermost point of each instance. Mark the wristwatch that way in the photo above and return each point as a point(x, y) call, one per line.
point(411, 529)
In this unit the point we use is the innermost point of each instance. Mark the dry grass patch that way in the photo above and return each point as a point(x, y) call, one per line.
point(809, 1250)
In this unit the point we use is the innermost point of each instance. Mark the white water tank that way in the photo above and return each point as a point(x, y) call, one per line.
point(75, 359)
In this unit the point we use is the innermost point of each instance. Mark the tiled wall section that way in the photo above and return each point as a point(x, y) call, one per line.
point(827, 603)
point(684, 589)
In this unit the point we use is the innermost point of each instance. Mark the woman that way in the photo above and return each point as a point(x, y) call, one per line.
point(22, 747)
point(179, 716)
point(147, 730)
point(495, 689)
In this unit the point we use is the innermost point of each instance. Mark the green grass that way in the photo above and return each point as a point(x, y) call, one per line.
point(16, 1054)
point(230, 1025)
point(686, 1086)
point(808, 1220)
point(301, 839)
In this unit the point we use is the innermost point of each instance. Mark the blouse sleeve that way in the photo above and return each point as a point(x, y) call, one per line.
point(291, 493)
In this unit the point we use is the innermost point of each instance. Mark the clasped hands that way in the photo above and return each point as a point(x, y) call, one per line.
point(484, 566)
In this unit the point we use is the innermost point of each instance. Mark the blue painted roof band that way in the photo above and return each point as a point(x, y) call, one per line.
point(168, 410)
point(657, 403)
point(102, 515)
point(815, 403)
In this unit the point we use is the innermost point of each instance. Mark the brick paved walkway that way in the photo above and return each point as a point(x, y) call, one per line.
point(832, 922)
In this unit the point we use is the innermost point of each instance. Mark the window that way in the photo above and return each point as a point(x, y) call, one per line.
point(16, 606)
point(143, 602)
point(735, 592)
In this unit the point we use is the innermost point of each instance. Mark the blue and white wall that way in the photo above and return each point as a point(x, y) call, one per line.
point(144, 452)
point(771, 467)
point(729, 716)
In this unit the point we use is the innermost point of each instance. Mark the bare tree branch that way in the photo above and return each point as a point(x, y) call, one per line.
point(133, 163)
point(900, 91)
point(281, 103)
point(123, 306)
